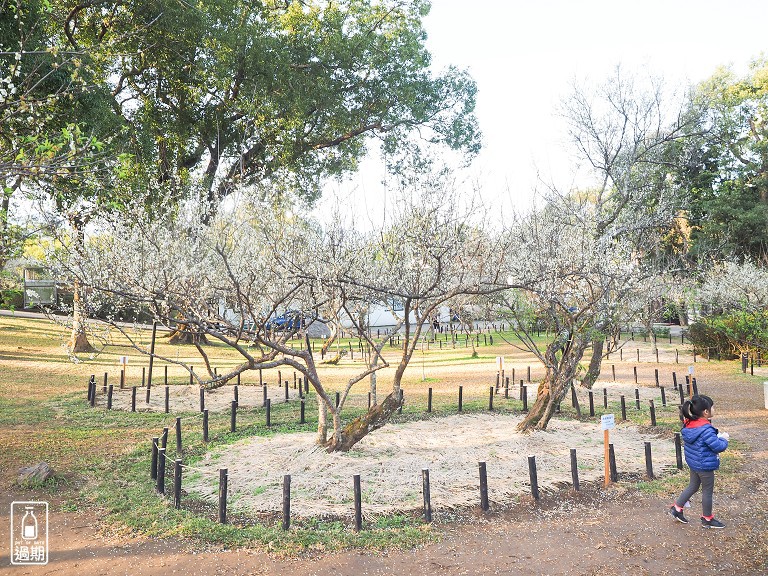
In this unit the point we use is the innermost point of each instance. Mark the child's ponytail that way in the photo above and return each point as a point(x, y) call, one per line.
point(685, 411)
point(695, 407)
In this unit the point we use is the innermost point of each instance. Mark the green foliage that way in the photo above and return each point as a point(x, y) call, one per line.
point(731, 334)
point(726, 183)
point(275, 95)
point(12, 299)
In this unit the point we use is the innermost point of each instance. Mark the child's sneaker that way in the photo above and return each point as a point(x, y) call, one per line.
point(678, 515)
point(711, 523)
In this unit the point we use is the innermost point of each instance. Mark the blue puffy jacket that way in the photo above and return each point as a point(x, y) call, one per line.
point(702, 445)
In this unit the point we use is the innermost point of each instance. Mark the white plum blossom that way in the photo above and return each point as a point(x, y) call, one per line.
point(732, 285)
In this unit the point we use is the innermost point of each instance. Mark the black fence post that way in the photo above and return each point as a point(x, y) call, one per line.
point(591, 402)
point(653, 413)
point(678, 451)
point(490, 399)
point(429, 400)
point(461, 393)
point(202, 399)
point(483, 486)
point(534, 477)
point(222, 496)
point(574, 470)
point(177, 484)
point(663, 396)
point(153, 467)
point(637, 398)
point(160, 486)
point(178, 436)
point(269, 412)
point(205, 425)
point(623, 407)
point(286, 501)
point(302, 416)
point(605, 397)
point(426, 493)
point(525, 398)
point(648, 462)
point(133, 398)
point(358, 503)
point(612, 459)
point(233, 417)
point(109, 397)
point(167, 400)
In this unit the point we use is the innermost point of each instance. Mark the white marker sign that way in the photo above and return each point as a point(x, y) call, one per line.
point(123, 359)
point(607, 422)
point(690, 369)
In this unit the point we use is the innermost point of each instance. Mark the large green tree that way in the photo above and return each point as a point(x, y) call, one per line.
point(727, 186)
point(275, 95)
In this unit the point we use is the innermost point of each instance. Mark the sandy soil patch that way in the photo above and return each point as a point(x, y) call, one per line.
point(390, 462)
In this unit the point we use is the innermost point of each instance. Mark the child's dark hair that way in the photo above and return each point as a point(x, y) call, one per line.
point(694, 408)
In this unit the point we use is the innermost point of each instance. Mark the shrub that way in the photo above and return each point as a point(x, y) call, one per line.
point(731, 334)
point(11, 299)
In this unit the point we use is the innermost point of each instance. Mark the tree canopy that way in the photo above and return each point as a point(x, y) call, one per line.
point(726, 187)
point(277, 95)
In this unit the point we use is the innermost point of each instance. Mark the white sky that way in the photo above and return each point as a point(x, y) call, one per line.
point(524, 55)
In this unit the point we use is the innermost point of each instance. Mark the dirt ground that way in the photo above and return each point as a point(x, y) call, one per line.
point(606, 532)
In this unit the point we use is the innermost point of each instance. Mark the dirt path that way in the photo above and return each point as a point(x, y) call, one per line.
point(614, 532)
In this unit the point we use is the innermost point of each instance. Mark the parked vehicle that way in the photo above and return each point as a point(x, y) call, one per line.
point(289, 320)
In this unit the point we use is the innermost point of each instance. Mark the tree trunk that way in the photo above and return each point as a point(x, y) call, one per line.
point(184, 336)
point(555, 386)
point(322, 422)
point(650, 332)
point(594, 363)
point(331, 338)
point(78, 339)
point(374, 362)
point(549, 394)
point(356, 430)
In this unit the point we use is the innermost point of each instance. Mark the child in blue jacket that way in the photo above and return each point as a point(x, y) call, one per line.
point(703, 445)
